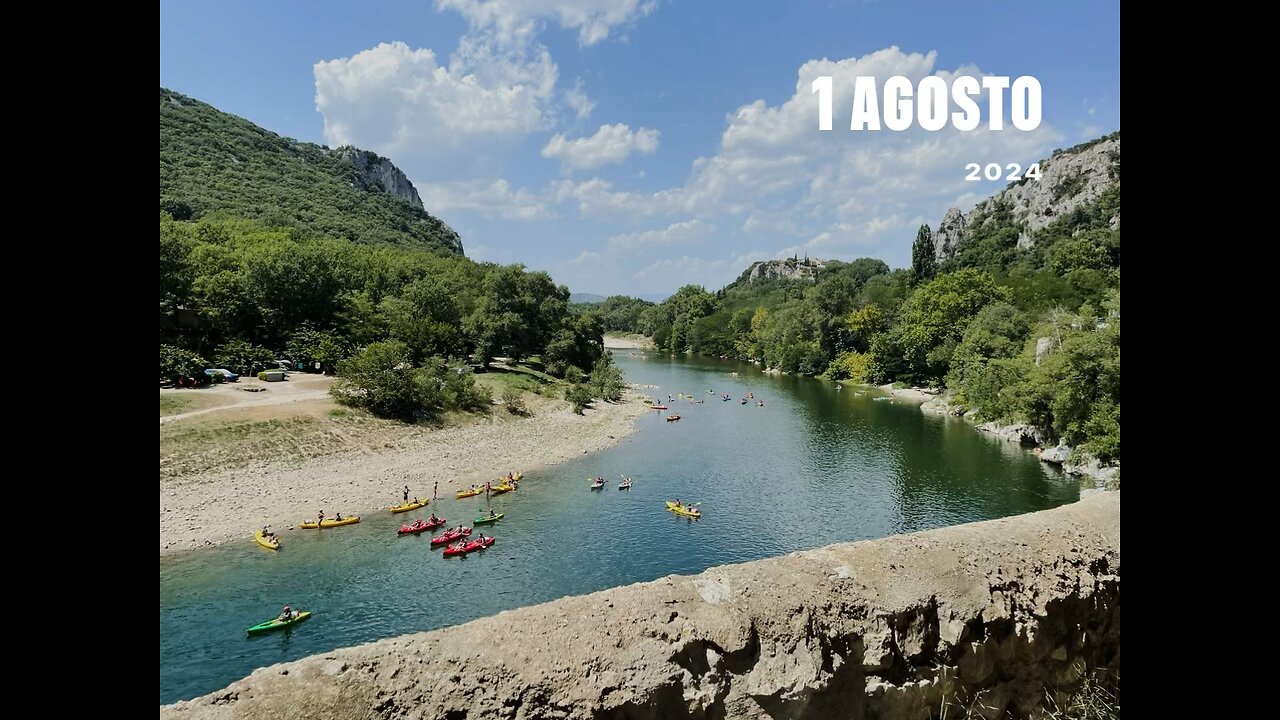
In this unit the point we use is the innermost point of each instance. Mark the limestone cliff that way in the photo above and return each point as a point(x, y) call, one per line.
point(1069, 179)
point(994, 616)
point(789, 269)
point(375, 171)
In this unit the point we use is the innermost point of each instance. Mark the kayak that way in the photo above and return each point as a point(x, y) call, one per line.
point(329, 522)
point(625, 486)
point(483, 520)
point(597, 483)
point(450, 536)
point(499, 489)
point(264, 542)
point(276, 623)
point(517, 476)
point(658, 407)
point(672, 418)
point(406, 507)
point(469, 493)
point(415, 529)
point(469, 547)
point(684, 510)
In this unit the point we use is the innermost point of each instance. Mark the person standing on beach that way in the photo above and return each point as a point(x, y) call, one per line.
point(406, 493)
point(435, 492)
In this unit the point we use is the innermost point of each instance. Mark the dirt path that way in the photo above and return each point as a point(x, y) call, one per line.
point(235, 396)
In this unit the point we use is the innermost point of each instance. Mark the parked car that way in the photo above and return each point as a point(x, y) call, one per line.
point(227, 375)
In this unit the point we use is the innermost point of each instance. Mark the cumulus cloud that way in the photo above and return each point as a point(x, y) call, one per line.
point(577, 100)
point(610, 144)
point(517, 21)
point(457, 122)
point(490, 198)
point(687, 232)
point(779, 174)
point(457, 119)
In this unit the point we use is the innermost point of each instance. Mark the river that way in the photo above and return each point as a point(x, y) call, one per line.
point(814, 466)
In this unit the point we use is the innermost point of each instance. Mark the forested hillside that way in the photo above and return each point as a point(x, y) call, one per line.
point(212, 161)
point(1015, 307)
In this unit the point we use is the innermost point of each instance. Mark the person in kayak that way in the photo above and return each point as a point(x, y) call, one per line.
point(433, 519)
point(492, 515)
point(337, 517)
point(678, 502)
point(267, 534)
point(287, 614)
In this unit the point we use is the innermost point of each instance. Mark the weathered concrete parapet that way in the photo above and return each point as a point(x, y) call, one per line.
point(989, 615)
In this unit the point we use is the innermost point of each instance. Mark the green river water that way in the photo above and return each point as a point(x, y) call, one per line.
point(814, 466)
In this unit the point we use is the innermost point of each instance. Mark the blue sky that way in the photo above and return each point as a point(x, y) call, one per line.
point(634, 146)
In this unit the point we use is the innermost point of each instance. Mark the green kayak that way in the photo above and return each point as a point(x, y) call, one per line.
point(483, 520)
point(276, 623)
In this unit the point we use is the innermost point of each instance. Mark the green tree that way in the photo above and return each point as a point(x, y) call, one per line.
point(380, 379)
point(176, 364)
point(923, 257)
point(606, 380)
point(243, 358)
point(934, 319)
point(310, 346)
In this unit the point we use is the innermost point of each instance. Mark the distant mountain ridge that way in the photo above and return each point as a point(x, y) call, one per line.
point(213, 161)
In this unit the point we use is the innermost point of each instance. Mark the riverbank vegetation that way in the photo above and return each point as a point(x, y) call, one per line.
point(238, 294)
point(1027, 333)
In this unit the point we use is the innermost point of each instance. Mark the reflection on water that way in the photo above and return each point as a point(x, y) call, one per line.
point(812, 467)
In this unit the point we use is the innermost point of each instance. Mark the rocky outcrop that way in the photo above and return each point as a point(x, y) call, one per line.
point(992, 616)
point(789, 269)
point(375, 171)
point(1069, 179)
point(1017, 432)
point(1056, 455)
point(949, 236)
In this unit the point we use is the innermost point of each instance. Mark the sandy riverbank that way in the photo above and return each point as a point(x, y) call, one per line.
point(622, 343)
point(215, 507)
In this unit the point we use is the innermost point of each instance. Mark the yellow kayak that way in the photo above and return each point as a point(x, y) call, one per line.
point(469, 493)
point(684, 510)
point(328, 523)
point(499, 489)
point(406, 507)
point(264, 542)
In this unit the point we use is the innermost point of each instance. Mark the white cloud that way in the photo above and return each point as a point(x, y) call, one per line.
point(777, 174)
point(610, 144)
point(491, 198)
point(456, 120)
point(516, 21)
point(577, 100)
point(687, 232)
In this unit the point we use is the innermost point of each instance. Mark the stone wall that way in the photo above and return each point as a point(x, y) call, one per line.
point(990, 616)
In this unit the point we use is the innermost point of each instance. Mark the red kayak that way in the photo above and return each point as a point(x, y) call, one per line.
point(420, 527)
point(469, 547)
point(450, 536)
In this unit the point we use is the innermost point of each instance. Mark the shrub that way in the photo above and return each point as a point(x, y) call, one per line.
point(579, 396)
point(176, 363)
point(852, 366)
point(513, 399)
